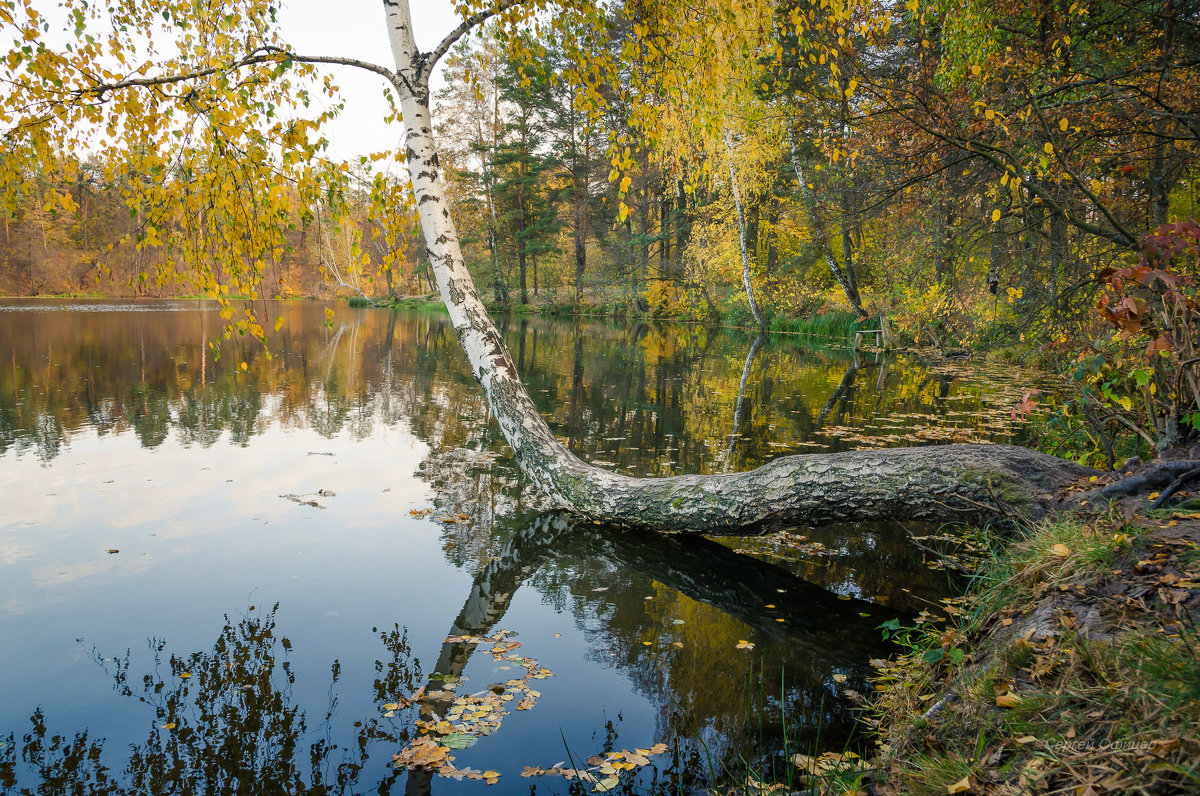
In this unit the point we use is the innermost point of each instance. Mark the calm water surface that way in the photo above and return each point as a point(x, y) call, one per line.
point(215, 579)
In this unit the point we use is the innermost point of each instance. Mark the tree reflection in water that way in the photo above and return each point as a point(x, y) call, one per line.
point(226, 720)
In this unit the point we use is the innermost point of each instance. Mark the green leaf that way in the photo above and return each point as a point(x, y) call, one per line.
point(934, 655)
point(458, 740)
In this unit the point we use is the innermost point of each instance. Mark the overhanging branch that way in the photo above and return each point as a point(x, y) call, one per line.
point(264, 55)
point(464, 27)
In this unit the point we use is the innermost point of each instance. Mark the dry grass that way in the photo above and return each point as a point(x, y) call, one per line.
point(1079, 670)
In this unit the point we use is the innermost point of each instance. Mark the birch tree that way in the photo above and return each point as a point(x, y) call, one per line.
point(232, 85)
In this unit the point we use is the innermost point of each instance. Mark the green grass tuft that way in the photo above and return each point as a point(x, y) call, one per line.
point(837, 323)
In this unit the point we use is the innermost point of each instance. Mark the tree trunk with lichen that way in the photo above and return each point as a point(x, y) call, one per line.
point(967, 482)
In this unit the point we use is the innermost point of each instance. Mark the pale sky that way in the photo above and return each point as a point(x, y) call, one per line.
point(355, 29)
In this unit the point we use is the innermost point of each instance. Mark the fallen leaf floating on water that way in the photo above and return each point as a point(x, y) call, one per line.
point(745, 645)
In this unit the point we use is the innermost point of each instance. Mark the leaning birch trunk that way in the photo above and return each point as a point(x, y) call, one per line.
point(741, 217)
point(844, 277)
point(953, 481)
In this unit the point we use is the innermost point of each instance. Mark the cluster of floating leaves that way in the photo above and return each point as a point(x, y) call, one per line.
point(962, 550)
point(603, 773)
point(446, 518)
point(469, 717)
point(1001, 399)
point(309, 499)
point(786, 546)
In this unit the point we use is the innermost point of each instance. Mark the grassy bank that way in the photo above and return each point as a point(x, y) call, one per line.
point(1072, 665)
point(430, 303)
point(834, 324)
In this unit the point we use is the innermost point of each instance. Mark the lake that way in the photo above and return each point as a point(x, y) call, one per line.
point(225, 568)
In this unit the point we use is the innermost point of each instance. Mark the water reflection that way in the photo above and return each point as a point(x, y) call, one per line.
point(644, 399)
point(380, 405)
point(225, 717)
point(223, 721)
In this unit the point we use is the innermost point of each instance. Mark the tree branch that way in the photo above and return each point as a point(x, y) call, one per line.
point(462, 29)
point(263, 55)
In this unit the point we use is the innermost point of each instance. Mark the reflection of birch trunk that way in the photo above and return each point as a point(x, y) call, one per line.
point(741, 398)
point(331, 350)
point(389, 341)
point(844, 277)
point(826, 628)
point(488, 601)
point(705, 571)
point(741, 216)
point(842, 397)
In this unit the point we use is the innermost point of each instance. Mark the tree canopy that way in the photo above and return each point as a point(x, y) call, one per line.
point(964, 171)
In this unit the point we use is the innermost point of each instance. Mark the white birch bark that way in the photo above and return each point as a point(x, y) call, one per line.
point(843, 277)
point(747, 283)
